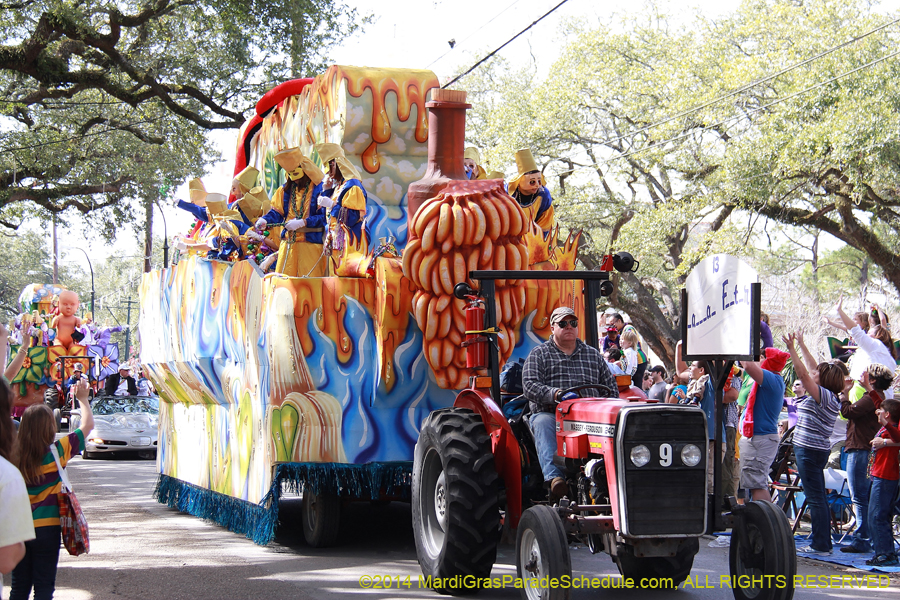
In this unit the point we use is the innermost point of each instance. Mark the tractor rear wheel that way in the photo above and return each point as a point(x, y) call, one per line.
point(321, 517)
point(676, 568)
point(51, 398)
point(542, 553)
point(762, 544)
point(455, 506)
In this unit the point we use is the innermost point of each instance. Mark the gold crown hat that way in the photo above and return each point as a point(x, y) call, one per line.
point(216, 204)
point(255, 203)
point(525, 164)
point(197, 191)
point(247, 178)
point(328, 152)
point(297, 164)
point(472, 153)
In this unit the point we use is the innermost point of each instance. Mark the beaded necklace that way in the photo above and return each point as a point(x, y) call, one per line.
point(298, 213)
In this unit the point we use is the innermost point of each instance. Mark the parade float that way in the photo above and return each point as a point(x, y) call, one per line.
point(320, 384)
point(60, 339)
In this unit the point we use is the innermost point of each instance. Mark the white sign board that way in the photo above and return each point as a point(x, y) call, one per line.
point(719, 310)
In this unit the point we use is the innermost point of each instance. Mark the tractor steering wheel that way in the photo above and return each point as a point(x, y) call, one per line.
point(597, 386)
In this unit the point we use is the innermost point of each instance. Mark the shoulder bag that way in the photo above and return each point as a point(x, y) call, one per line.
point(71, 518)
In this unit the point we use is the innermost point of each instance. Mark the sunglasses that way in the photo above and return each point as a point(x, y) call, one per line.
point(573, 323)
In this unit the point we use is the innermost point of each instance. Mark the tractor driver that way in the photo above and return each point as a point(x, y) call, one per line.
point(560, 363)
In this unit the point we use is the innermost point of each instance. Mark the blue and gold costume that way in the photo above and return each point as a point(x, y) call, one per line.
point(300, 252)
point(349, 197)
point(538, 205)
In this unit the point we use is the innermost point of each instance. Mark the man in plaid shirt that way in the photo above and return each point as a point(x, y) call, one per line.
point(560, 363)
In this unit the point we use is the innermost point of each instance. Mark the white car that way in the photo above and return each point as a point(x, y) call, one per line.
point(121, 424)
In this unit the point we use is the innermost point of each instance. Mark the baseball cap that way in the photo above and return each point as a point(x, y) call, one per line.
point(78, 367)
point(561, 313)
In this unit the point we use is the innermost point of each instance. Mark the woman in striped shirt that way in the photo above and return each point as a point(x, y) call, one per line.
point(35, 461)
point(815, 420)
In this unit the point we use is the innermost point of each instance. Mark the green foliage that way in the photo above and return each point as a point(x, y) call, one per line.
point(651, 133)
point(104, 102)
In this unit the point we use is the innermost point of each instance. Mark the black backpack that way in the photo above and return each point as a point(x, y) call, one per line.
point(511, 377)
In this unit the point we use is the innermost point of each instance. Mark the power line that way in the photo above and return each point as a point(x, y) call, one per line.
point(758, 108)
point(459, 44)
point(475, 66)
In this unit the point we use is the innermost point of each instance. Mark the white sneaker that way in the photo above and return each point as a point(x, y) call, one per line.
point(813, 551)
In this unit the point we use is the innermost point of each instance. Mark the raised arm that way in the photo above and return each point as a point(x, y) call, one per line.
point(810, 361)
point(680, 365)
point(82, 392)
point(802, 373)
point(19, 359)
point(845, 318)
point(835, 324)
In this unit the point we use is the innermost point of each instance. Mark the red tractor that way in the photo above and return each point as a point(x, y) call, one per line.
point(636, 471)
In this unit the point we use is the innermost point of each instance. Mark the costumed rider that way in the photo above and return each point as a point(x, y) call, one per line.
point(472, 164)
point(234, 241)
point(197, 205)
point(242, 183)
point(530, 191)
point(562, 362)
point(296, 204)
point(201, 237)
point(343, 195)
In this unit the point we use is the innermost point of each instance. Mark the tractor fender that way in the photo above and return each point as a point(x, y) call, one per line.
point(507, 456)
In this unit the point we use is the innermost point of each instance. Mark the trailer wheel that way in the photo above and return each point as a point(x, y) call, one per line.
point(455, 506)
point(676, 568)
point(762, 544)
point(542, 552)
point(321, 518)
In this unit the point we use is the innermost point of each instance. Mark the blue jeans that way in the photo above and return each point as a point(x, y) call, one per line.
point(38, 568)
point(881, 513)
point(543, 426)
point(810, 464)
point(858, 480)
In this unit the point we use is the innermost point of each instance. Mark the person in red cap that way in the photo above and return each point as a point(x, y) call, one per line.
point(815, 421)
point(759, 425)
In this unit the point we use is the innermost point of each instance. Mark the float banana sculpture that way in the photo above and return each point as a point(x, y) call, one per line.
point(471, 225)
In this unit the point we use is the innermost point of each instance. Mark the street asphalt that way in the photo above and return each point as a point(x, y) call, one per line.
point(141, 549)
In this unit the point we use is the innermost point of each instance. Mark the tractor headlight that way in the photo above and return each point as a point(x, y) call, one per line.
point(691, 455)
point(640, 455)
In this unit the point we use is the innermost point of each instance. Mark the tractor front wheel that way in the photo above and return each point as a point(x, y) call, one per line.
point(542, 554)
point(762, 545)
point(321, 517)
point(455, 506)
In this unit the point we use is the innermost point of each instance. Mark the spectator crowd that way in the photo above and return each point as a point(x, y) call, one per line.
point(840, 413)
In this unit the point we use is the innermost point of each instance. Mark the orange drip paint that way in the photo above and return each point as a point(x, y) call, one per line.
point(327, 295)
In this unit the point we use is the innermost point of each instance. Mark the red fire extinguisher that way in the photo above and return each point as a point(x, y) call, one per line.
point(475, 343)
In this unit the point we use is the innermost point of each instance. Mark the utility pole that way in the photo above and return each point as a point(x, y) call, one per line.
point(128, 304)
point(55, 255)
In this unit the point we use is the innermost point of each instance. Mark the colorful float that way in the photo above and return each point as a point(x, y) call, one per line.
point(58, 337)
point(271, 382)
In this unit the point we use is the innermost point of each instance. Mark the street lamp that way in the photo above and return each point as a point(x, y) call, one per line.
point(91, 267)
point(165, 236)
